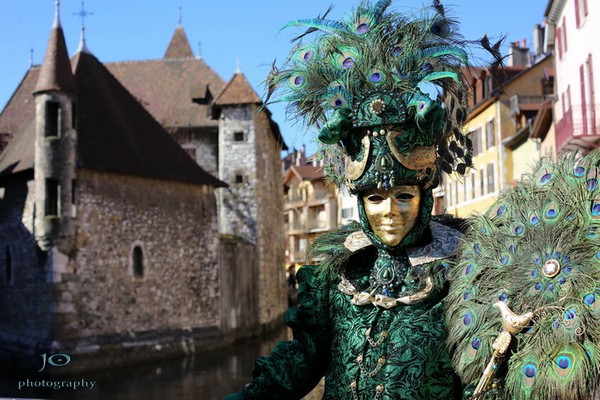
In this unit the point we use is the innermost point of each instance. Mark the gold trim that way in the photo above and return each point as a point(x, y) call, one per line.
point(420, 157)
point(355, 169)
point(364, 298)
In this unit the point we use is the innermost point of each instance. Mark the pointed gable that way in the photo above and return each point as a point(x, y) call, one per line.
point(179, 47)
point(238, 91)
point(116, 134)
point(56, 72)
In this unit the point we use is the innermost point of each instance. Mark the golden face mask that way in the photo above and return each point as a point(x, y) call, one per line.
point(392, 212)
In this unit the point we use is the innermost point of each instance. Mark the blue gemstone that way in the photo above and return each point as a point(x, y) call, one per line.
point(502, 297)
point(538, 286)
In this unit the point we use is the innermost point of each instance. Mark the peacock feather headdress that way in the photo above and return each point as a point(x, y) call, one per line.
point(534, 253)
point(385, 91)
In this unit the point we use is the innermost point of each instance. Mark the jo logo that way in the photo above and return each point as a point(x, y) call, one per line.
point(55, 360)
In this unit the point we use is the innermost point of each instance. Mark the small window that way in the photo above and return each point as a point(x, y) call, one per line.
point(52, 119)
point(239, 178)
point(347, 212)
point(481, 182)
point(490, 134)
point(238, 136)
point(52, 196)
point(490, 178)
point(138, 262)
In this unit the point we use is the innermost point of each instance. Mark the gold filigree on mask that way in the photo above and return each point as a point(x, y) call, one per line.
point(355, 169)
point(419, 158)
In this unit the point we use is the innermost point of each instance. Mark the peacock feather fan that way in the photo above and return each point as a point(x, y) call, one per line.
point(537, 249)
point(411, 64)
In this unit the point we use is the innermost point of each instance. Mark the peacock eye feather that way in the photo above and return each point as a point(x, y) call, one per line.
point(297, 81)
point(440, 28)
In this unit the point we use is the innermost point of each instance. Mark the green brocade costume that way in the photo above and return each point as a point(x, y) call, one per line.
point(364, 351)
point(386, 92)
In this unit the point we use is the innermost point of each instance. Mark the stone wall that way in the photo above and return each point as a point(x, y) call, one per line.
point(253, 208)
point(237, 167)
point(205, 143)
point(238, 281)
point(25, 297)
point(174, 225)
point(271, 243)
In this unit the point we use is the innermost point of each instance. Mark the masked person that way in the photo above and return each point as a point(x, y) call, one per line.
point(386, 93)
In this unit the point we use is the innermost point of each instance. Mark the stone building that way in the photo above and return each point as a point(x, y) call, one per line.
point(227, 130)
point(109, 230)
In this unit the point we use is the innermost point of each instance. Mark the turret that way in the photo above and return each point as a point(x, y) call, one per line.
point(55, 145)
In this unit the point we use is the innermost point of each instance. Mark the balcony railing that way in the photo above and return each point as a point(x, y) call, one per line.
point(580, 125)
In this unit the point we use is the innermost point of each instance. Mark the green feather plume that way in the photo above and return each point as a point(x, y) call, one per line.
point(538, 250)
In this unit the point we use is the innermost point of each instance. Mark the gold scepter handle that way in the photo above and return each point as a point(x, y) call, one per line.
point(511, 324)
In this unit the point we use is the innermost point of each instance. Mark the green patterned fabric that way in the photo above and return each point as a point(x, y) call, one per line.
point(343, 342)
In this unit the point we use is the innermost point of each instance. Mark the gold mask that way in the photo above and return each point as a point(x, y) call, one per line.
point(392, 212)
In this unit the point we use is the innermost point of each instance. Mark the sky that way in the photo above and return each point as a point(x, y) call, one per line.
point(228, 34)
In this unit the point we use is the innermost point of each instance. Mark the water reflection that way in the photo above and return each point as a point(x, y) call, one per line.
point(208, 376)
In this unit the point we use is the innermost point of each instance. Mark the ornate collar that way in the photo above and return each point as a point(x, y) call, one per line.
point(443, 245)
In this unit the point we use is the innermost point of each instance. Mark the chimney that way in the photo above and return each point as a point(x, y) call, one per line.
point(519, 55)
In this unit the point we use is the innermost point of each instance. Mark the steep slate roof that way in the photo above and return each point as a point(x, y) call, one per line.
point(167, 89)
point(115, 133)
point(56, 70)
point(18, 156)
point(177, 90)
point(20, 106)
point(238, 91)
point(179, 47)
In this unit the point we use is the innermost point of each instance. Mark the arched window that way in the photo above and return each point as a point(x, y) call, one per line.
point(138, 262)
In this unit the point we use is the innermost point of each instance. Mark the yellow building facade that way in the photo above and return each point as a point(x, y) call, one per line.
point(499, 124)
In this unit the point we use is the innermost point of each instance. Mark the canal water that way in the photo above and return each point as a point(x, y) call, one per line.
point(202, 377)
